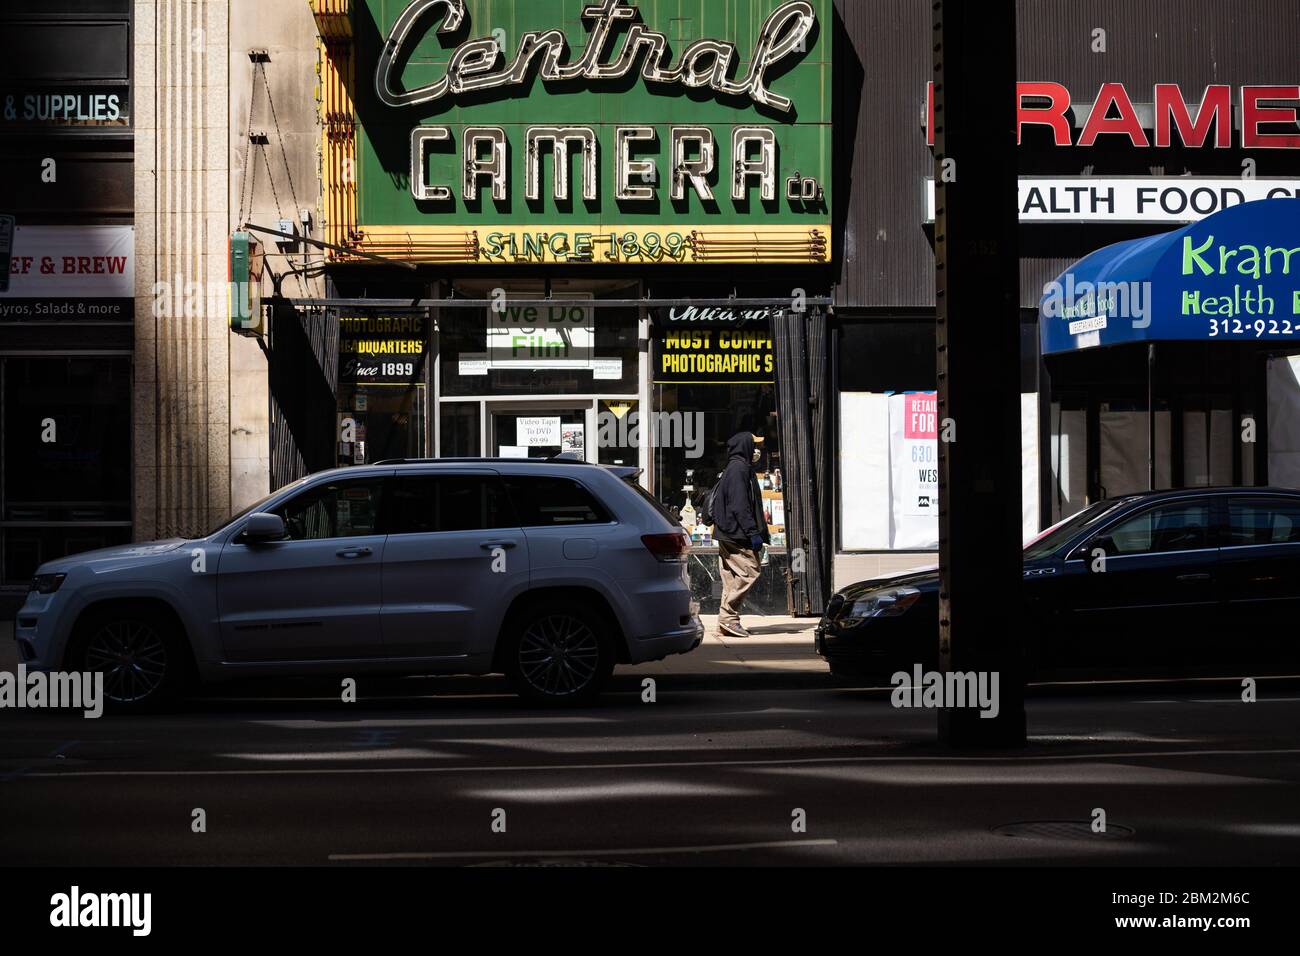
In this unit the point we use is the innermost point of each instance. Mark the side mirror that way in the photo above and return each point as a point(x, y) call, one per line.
point(1084, 552)
point(1104, 542)
point(262, 527)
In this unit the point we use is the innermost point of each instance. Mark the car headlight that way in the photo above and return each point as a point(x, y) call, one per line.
point(890, 603)
point(47, 583)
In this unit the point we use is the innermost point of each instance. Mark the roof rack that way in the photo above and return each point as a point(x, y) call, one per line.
point(622, 472)
point(563, 458)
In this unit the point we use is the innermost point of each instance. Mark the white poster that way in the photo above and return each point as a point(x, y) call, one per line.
point(472, 363)
point(1283, 377)
point(607, 368)
point(914, 469)
point(864, 471)
point(1029, 521)
point(573, 438)
point(540, 431)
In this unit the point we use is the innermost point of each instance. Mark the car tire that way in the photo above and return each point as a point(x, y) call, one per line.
point(558, 653)
point(142, 656)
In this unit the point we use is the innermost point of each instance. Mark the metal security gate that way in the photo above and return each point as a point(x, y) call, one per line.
point(803, 406)
point(303, 373)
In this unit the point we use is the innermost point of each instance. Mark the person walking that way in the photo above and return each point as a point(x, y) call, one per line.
point(740, 530)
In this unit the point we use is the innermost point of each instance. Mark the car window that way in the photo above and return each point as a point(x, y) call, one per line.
point(338, 509)
point(1050, 540)
point(543, 501)
point(1175, 527)
point(650, 499)
point(1263, 522)
point(254, 507)
point(425, 503)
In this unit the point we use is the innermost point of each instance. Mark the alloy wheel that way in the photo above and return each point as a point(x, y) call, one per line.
point(559, 655)
point(133, 658)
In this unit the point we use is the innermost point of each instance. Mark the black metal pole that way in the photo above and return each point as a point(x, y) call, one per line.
point(977, 300)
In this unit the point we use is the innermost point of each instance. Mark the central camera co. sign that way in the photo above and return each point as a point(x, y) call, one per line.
point(497, 132)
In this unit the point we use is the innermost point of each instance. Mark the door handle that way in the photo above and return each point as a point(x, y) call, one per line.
point(352, 552)
point(1193, 577)
point(497, 544)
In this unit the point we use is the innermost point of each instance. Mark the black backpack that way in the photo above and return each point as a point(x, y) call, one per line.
point(706, 513)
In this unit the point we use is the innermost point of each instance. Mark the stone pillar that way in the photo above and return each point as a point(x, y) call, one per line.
point(182, 339)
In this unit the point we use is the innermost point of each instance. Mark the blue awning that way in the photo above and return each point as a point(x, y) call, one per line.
point(1233, 277)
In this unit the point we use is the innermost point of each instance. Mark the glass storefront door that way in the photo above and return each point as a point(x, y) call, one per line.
point(387, 422)
point(382, 392)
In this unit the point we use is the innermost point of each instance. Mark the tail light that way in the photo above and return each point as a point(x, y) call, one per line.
point(667, 547)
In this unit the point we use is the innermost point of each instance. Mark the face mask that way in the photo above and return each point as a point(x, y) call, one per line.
point(757, 455)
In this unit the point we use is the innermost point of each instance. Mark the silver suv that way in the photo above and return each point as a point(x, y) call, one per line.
point(547, 571)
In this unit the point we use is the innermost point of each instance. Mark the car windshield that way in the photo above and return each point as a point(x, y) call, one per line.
point(1048, 542)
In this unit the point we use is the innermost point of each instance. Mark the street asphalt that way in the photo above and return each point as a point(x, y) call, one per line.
point(748, 754)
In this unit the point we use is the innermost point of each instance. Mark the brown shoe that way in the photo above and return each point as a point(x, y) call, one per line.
point(733, 630)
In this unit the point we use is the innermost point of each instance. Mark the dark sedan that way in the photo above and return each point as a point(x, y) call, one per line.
point(1190, 583)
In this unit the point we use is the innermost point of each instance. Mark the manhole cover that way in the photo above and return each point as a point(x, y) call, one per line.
point(1062, 830)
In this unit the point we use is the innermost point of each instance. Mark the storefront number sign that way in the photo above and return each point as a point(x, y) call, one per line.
point(574, 131)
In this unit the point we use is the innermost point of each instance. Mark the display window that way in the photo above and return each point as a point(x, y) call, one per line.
point(713, 373)
point(686, 471)
point(529, 433)
point(382, 397)
point(531, 349)
point(888, 436)
point(65, 444)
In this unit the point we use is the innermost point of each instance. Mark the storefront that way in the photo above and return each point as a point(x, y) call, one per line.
point(1172, 360)
point(588, 216)
point(1139, 123)
point(66, 284)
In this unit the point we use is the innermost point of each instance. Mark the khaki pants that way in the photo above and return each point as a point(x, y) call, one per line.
point(739, 567)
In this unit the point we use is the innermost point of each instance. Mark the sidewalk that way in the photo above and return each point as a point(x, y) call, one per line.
point(780, 645)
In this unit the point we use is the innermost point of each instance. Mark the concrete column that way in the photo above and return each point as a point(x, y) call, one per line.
point(182, 381)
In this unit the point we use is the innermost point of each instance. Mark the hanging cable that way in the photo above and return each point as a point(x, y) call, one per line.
point(250, 167)
point(284, 155)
